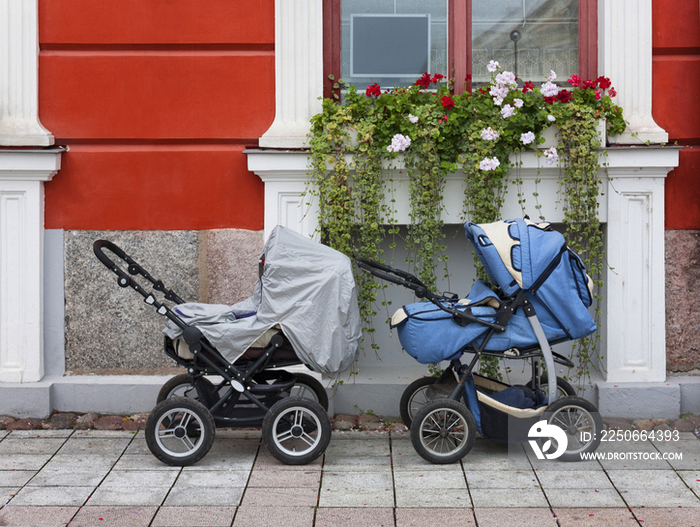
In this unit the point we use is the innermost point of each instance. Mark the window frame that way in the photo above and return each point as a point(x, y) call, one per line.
point(459, 43)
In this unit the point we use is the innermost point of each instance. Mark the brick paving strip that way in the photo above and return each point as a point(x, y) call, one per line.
point(365, 478)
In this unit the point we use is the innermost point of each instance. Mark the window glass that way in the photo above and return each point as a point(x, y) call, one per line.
point(527, 37)
point(392, 42)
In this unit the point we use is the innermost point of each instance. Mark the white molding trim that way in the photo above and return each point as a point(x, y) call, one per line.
point(19, 75)
point(22, 177)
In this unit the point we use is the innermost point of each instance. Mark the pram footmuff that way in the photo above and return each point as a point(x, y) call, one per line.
point(303, 312)
point(540, 297)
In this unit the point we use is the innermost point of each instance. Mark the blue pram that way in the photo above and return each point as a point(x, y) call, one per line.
point(541, 298)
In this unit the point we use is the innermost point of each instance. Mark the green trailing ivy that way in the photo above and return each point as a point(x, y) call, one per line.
point(430, 132)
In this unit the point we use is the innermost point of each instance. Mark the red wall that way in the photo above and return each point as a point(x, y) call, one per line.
point(676, 103)
point(157, 101)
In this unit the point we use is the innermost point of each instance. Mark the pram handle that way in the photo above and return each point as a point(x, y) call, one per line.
point(123, 279)
point(394, 276)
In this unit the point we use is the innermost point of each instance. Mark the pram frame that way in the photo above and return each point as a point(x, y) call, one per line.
point(208, 361)
point(463, 318)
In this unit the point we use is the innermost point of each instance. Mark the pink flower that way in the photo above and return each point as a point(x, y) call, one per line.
point(575, 81)
point(598, 94)
point(612, 92)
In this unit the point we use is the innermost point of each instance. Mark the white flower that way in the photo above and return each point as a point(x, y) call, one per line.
point(412, 118)
point(551, 118)
point(507, 111)
point(506, 77)
point(399, 143)
point(527, 138)
point(549, 89)
point(492, 66)
point(518, 103)
point(551, 155)
point(498, 101)
point(489, 164)
point(498, 90)
point(552, 76)
point(489, 134)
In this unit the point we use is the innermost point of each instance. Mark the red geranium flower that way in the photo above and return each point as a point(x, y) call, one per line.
point(587, 84)
point(612, 92)
point(437, 78)
point(604, 82)
point(373, 90)
point(528, 86)
point(447, 102)
point(565, 96)
point(424, 81)
point(575, 81)
point(550, 100)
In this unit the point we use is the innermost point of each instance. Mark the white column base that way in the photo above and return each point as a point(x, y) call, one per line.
point(22, 176)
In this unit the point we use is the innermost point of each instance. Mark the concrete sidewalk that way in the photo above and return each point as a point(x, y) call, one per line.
point(105, 478)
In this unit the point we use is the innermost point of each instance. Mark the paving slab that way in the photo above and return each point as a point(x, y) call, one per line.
point(204, 479)
point(584, 497)
point(429, 480)
point(40, 434)
point(53, 496)
point(18, 445)
point(573, 479)
point(692, 479)
point(433, 498)
point(287, 516)
point(355, 517)
point(266, 461)
point(193, 496)
point(445, 517)
point(496, 498)
point(280, 497)
point(113, 447)
point(592, 517)
point(48, 477)
point(228, 454)
point(515, 517)
point(137, 495)
point(261, 477)
point(667, 517)
point(140, 478)
point(109, 434)
point(36, 516)
point(7, 493)
point(142, 462)
point(15, 478)
point(23, 461)
point(659, 498)
point(194, 517)
point(501, 479)
point(356, 497)
point(114, 516)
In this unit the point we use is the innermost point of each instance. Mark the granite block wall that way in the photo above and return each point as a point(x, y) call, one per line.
point(683, 301)
point(109, 329)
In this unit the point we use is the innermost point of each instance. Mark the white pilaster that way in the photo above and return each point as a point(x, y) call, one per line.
point(635, 281)
point(298, 70)
point(624, 55)
point(19, 75)
point(22, 176)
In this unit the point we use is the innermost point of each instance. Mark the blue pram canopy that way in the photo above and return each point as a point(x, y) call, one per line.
point(517, 255)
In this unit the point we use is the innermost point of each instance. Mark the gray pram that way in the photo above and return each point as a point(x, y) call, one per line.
point(303, 311)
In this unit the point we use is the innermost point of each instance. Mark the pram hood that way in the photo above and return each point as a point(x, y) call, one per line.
point(517, 255)
point(306, 289)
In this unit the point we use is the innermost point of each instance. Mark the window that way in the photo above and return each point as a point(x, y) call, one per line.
point(392, 42)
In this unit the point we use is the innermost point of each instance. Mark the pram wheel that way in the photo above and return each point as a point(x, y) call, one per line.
point(296, 431)
point(443, 431)
point(309, 388)
point(414, 397)
point(564, 389)
point(180, 431)
point(580, 421)
point(181, 386)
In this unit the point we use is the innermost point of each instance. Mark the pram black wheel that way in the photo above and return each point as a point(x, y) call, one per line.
point(296, 431)
point(180, 386)
point(414, 397)
point(564, 389)
point(580, 421)
point(443, 431)
point(307, 387)
point(180, 431)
